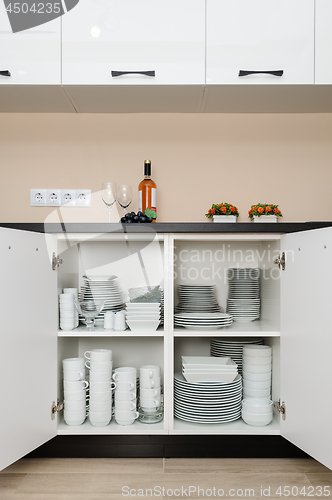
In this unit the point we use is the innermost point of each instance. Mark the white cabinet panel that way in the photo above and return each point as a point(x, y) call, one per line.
point(260, 35)
point(306, 342)
point(167, 38)
point(28, 342)
point(32, 56)
point(323, 41)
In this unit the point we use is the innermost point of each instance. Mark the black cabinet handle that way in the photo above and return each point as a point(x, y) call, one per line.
point(278, 72)
point(145, 73)
point(5, 72)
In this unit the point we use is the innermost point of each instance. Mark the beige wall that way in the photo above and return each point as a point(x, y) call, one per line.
point(197, 160)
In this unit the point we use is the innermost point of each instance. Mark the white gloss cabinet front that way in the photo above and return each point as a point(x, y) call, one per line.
point(31, 56)
point(260, 42)
point(134, 43)
point(323, 42)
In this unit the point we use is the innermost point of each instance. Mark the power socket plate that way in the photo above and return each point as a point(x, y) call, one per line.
point(37, 197)
point(83, 197)
point(53, 197)
point(60, 198)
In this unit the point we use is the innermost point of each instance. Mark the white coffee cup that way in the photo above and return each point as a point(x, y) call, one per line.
point(77, 385)
point(149, 383)
point(73, 364)
point(149, 393)
point(100, 376)
point(99, 418)
point(149, 371)
point(100, 396)
point(75, 395)
point(99, 366)
point(125, 373)
point(109, 320)
point(101, 386)
point(101, 405)
point(74, 417)
point(126, 385)
point(125, 417)
point(67, 326)
point(149, 402)
point(125, 395)
point(73, 375)
point(125, 405)
point(71, 291)
point(98, 355)
point(119, 321)
point(74, 405)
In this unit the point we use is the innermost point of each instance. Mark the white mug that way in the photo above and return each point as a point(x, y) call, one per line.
point(125, 417)
point(149, 383)
point(73, 375)
point(73, 364)
point(101, 405)
point(119, 321)
point(74, 405)
point(74, 417)
point(100, 418)
point(125, 373)
point(99, 366)
point(149, 393)
point(100, 376)
point(98, 355)
point(75, 395)
point(71, 291)
point(101, 386)
point(77, 385)
point(109, 320)
point(149, 402)
point(149, 371)
point(100, 396)
point(126, 385)
point(125, 395)
point(125, 405)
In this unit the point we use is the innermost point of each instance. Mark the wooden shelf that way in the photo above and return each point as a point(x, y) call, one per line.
point(237, 329)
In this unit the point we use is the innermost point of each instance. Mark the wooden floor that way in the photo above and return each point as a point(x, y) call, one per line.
point(120, 478)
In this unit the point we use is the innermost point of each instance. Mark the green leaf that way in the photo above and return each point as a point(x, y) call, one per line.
point(150, 213)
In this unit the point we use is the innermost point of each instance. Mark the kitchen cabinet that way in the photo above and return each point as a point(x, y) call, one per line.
point(134, 43)
point(323, 42)
point(260, 42)
point(294, 321)
point(32, 56)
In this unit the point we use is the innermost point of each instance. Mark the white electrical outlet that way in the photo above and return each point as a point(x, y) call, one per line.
point(37, 197)
point(67, 197)
point(83, 197)
point(53, 197)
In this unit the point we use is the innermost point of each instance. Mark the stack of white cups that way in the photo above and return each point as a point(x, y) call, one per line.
point(256, 371)
point(125, 395)
point(67, 311)
point(74, 391)
point(149, 387)
point(72, 291)
point(99, 362)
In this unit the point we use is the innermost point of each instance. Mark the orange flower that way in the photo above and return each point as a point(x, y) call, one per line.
point(275, 210)
point(260, 210)
point(223, 209)
point(268, 209)
point(254, 208)
point(213, 211)
point(250, 212)
point(232, 208)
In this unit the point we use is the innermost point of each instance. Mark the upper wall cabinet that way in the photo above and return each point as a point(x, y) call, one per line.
point(134, 42)
point(260, 42)
point(31, 56)
point(323, 42)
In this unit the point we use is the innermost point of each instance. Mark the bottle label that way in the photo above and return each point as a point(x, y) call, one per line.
point(153, 198)
point(140, 201)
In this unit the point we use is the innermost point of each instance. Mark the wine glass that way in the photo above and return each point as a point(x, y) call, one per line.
point(89, 309)
point(109, 194)
point(125, 197)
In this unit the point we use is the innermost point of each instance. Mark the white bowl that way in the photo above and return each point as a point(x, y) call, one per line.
point(143, 325)
point(257, 419)
point(257, 350)
point(257, 360)
point(257, 377)
point(193, 377)
point(253, 384)
point(256, 368)
point(257, 405)
point(256, 393)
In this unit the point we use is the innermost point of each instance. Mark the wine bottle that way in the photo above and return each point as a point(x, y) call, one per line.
point(147, 190)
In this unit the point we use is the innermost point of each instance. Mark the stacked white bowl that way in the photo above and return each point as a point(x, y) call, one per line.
point(257, 411)
point(72, 291)
point(256, 373)
point(99, 362)
point(68, 315)
point(149, 387)
point(125, 395)
point(74, 391)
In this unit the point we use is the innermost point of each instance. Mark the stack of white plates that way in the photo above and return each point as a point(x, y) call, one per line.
point(207, 369)
point(232, 347)
point(243, 293)
point(197, 298)
point(102, 288)
point(143, 316)
point(256, 371)
point(207, 402)
point(161, 306)
point(202, 321)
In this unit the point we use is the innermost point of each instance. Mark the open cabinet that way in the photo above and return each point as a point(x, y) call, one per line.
point(295, 306)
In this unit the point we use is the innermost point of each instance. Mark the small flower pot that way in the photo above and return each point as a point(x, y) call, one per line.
point(265, 218)
point(224, 218)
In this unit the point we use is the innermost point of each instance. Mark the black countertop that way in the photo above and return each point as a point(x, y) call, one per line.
point(169, 227)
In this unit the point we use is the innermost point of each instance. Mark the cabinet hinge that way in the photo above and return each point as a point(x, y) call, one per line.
point(281, 261)
point(55, 408)
point(281, 408)
point(56, 261)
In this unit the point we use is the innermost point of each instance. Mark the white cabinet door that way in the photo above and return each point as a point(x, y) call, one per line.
point(151, 41)
point(306, 342)
point(323, 41)
point(28, 342)
point(274, 38)
point(32, 56)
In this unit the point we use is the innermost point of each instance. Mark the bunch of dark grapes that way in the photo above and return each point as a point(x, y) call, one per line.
point(131, 217)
